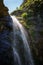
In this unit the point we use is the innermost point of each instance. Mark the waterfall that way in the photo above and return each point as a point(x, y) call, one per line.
point(21, 49)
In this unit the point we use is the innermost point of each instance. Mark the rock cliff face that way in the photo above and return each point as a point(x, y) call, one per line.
point(36, 28)
point(37, 36)
point(3, 13)
point(3, 10)
point(6, 53)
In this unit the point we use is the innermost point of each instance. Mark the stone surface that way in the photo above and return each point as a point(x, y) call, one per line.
point(1, 1)
point(3, 9)
point(6, 52)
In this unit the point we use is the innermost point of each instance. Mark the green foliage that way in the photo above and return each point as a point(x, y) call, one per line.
point(24, 15)
point(33, 34)
point(34, 8)
point(31, 9)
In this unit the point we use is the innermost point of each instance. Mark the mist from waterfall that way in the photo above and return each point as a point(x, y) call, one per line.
point(21, 49)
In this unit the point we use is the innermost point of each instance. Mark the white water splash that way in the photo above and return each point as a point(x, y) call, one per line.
point(19, 30)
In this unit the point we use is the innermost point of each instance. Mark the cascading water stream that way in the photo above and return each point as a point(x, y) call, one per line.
point(21, 50)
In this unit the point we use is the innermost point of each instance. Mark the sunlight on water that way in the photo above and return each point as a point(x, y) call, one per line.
point(20, 32)
point(16, 57)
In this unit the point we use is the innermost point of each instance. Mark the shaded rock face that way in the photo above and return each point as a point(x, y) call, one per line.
point(6, 52)
point(3, 9)
point(36, 33)
point(38, 37)
point(1, 1)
